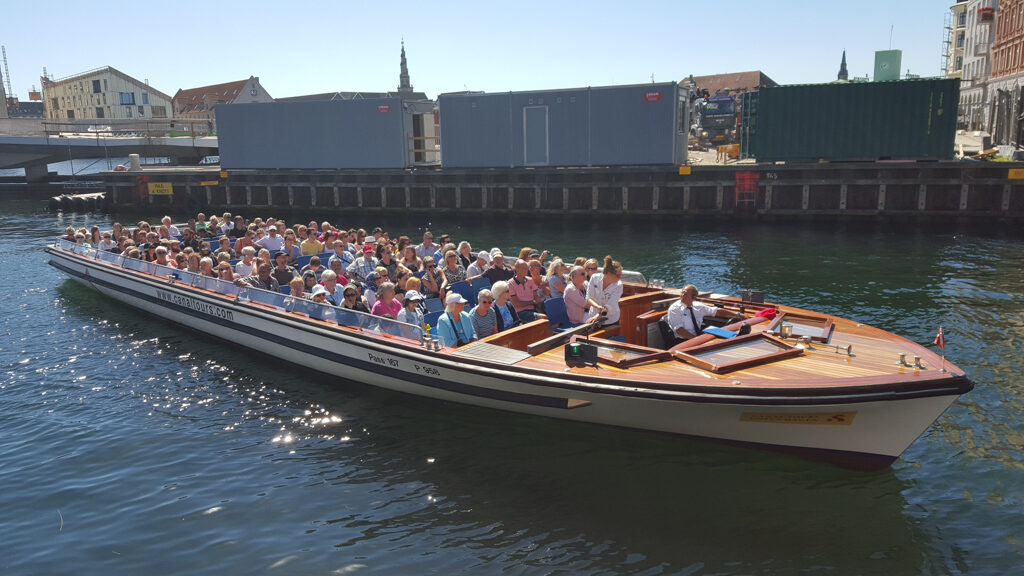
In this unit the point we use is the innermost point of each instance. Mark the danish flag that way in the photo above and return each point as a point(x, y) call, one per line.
point(940, 340)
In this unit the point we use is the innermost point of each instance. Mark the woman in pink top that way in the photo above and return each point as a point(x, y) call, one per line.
point(386, 304)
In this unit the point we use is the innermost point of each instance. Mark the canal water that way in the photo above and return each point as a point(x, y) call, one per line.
point(130, 446)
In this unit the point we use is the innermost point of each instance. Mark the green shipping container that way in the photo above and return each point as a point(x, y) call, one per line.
point(864, 121)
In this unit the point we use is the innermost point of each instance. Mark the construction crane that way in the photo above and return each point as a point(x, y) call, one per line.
point(7, 72)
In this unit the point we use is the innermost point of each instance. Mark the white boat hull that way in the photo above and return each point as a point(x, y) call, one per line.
point(868, 433)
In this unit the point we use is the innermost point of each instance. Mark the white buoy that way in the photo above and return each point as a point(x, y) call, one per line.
point(133, 163)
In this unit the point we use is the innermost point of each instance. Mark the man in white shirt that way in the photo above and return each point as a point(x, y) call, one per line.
point(272, 241)
point(428, 248)
point(480, 265)
point(171, 228)
point(685, 316)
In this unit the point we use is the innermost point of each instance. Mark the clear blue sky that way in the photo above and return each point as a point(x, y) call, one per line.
point(309, 47)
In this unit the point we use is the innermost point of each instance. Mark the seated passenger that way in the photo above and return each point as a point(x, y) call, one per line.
point(314, 267)
point(556, 278)
point(410, 259)
point(522, 289)
point(352, 300)
point(498, 270)
point(161, 257)
point(311, 245)
point(319, 294)
point(452, 270)
point(283, 273)
point(206, 267)
point(106, 243)
point(466, 256)
point(505, 312)
point(272, 241)
point(290, 247)
point(263, 279)
point(297, 288)
point(410, 312)
point(576, 303)
point(362, 267)
point(247, 265)
point(225, 247)
point(543, 291)
point(224, 272)
point(338, 267)
point(604, 289)
point(485, 319)
point(455, 327)
point(309, 280)
point(590, 267)
point(386, 304)
point(685, 316)
point(479, 265)
point(431, 279)
point(335, 291)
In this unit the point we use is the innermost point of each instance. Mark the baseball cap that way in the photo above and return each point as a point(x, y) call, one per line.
point(413, 295)
point(483, 255)
point(455, 298)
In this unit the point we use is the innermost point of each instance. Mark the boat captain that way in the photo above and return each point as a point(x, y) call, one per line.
point(685, 316)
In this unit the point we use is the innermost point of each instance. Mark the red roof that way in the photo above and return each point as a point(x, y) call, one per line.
point(735, 81)
point(204, 96)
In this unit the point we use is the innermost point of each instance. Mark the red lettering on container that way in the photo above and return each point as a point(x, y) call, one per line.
point(652, 96)
point(383, 109)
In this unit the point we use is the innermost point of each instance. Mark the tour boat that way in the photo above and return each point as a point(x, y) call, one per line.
point(805, 382)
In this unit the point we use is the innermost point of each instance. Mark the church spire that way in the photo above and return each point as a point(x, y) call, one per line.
point(403, 77)
point(843, 74)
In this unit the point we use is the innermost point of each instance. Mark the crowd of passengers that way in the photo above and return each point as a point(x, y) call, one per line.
point(374, 273)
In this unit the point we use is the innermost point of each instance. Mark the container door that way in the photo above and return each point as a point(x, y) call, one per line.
point(535, 135)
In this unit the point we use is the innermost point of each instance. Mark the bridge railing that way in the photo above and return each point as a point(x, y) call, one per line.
point(124, 127)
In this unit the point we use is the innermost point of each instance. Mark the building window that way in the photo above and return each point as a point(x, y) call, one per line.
point(962, 19)
point(55, 103)
point(127, 98)
point(104, 84)
point(96, 87)
point(104, 98)
point(159, 112)
point(145, 98)
point(99, 111)
point(128, 111)
point(959, 62)
point(142, 111)
point(960, 40)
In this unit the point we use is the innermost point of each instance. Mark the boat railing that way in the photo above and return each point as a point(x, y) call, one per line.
point(245, 293)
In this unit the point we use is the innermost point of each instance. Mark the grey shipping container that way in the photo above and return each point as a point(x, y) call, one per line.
point(902, 120)
point(338, 134)
point(645, 124)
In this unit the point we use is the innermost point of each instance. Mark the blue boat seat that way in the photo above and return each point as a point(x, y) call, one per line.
point(479, 284)
point(466, 291)
point(558, 318)
point(286, 290)
point(433, 305)
point(431, 318)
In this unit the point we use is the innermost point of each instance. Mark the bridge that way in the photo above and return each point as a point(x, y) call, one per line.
point(33, 149)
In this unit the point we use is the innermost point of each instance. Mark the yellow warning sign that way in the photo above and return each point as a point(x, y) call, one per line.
point(684, 170)
point(820, 419)
point(161, 189)
point(1016, 174)
point(223, 173)
point(209, 183)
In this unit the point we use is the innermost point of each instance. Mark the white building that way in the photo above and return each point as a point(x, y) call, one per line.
point(103, 93)
point(980, 34)
point(956, 30)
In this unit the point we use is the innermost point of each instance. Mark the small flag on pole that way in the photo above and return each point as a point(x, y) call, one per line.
point(940, 340)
